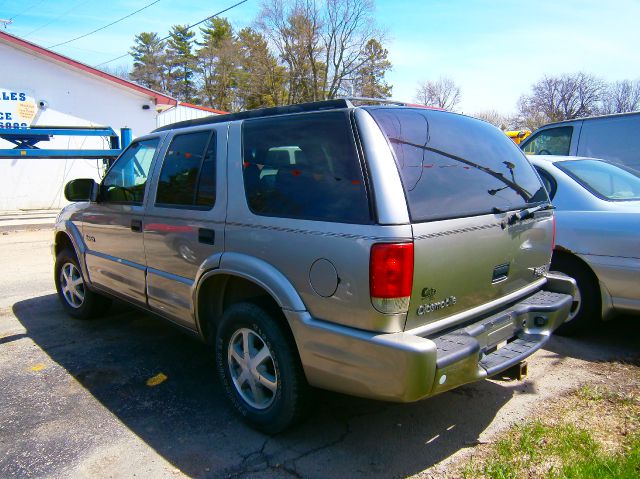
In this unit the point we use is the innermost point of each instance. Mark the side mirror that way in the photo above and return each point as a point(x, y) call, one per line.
point(81, 189)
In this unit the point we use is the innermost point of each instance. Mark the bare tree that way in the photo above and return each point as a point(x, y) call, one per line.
point(494, 117)
point(120, 71)
point(442, 93)
point(563, 97)
point(622, 96)
point(322, 43)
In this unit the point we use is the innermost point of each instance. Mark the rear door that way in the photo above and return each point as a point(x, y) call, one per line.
point(464, 180)
point(184, 225)
point(112, 227)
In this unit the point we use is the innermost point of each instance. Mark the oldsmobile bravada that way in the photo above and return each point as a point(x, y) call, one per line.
point(383, 251)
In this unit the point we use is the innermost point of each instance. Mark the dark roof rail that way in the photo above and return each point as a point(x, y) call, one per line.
point(262, 112)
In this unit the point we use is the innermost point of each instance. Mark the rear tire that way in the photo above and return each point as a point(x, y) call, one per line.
point(259, 368)
point(586, 311)
point(76, 298)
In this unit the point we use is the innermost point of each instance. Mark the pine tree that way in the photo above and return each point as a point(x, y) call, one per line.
point(369, 80)
point(148, 61)
point(180, 63)
point(218, 64)
point(261, 81)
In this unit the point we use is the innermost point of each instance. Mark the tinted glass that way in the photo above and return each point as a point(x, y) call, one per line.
point(126, 180)
point(304, 166)
point(616, 139)
point(549, 183)
point(554, 141)
point(188, 173)
point(603, 179)
point(454, 166)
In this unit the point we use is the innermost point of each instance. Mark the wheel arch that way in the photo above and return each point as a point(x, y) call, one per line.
point(243, 278)
point(606, 303)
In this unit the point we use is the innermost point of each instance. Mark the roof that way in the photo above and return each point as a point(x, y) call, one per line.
point(260, 113)
point(159, 98)
point(595, 117)
point(203, 108)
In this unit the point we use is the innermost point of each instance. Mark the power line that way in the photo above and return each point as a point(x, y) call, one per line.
point(188, 28)
point(75, 6)
point(106, 26)
point(26, 10)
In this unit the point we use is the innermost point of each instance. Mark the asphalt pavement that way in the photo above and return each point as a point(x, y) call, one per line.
point(130, 395)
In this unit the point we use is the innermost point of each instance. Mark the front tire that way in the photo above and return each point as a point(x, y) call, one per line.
point(259, 368)
point(586, 310)
point(76, 298)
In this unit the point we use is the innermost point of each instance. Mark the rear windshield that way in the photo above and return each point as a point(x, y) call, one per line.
point(603, 179)
point(453, 166)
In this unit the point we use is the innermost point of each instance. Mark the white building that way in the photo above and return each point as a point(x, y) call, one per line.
point(43, 88)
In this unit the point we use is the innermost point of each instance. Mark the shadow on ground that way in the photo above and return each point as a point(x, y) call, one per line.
point(618, 339)
point(186, 420)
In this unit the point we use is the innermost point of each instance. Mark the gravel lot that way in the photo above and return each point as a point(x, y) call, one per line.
point(74, 398)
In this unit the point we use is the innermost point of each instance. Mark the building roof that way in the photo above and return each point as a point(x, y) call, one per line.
point(159, 98)
point(203, 108)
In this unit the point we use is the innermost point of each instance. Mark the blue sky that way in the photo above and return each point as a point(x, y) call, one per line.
point(494, 49)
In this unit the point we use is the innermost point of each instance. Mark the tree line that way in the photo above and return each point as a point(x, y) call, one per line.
point(297, 51)
point(552, 98)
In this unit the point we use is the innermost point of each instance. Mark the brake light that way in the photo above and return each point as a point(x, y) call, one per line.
point(391, 276)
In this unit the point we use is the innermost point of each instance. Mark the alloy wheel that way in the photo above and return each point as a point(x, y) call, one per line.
point(252, 368)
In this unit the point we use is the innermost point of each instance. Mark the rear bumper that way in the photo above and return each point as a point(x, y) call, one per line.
point(403, 367)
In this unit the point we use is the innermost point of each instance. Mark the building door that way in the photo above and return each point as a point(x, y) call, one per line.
point(112, 227)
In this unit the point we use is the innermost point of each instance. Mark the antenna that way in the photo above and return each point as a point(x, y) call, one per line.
point(5, 22)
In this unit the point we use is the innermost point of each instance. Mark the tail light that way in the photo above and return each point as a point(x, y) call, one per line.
point(391, 276)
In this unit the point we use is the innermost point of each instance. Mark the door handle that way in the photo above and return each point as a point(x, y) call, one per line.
point(206, 236)
point(136, 225)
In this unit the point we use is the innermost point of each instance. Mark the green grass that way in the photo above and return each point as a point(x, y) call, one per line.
point(560, 451)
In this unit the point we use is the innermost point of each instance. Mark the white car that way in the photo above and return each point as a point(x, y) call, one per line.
point(598, 234)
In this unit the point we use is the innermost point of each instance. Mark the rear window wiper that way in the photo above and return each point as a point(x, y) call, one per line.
point(526, 213)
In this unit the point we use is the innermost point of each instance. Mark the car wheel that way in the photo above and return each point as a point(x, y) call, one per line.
point(259, 368)
point(78, 300)
point(586, 310)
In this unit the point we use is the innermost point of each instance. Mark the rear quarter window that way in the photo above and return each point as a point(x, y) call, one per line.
point(454, 166)
point(305, 167)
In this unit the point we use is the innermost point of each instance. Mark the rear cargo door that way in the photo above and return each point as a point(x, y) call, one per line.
point(468, 189)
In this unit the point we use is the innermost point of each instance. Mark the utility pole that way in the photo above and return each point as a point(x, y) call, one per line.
point(5, 22)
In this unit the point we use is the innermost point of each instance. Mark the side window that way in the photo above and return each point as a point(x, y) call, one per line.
point(554, 141)
point(549, 183)
point(187, 177)
point(126, 180)
point(305, 167)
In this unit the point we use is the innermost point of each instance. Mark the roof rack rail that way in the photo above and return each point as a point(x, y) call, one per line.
point(389, 102)
point(262, 112)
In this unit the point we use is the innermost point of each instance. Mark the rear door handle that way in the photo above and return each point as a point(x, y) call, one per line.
point(136, 225)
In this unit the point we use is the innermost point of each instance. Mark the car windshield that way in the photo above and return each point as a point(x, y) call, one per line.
point(454, 166)
point(603, 179)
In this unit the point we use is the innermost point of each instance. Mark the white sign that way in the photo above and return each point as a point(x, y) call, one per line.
point(17, 108)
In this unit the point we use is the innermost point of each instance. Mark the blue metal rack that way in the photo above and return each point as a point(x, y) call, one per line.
point(26, 140)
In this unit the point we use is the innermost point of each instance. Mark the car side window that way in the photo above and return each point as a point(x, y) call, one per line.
point(187, 178)
point(126, 180)
point(549, 183)
point(554, 141)
point(304, 167)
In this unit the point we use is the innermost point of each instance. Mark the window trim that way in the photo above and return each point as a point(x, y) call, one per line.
point(193, 206)
point(359, 157)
